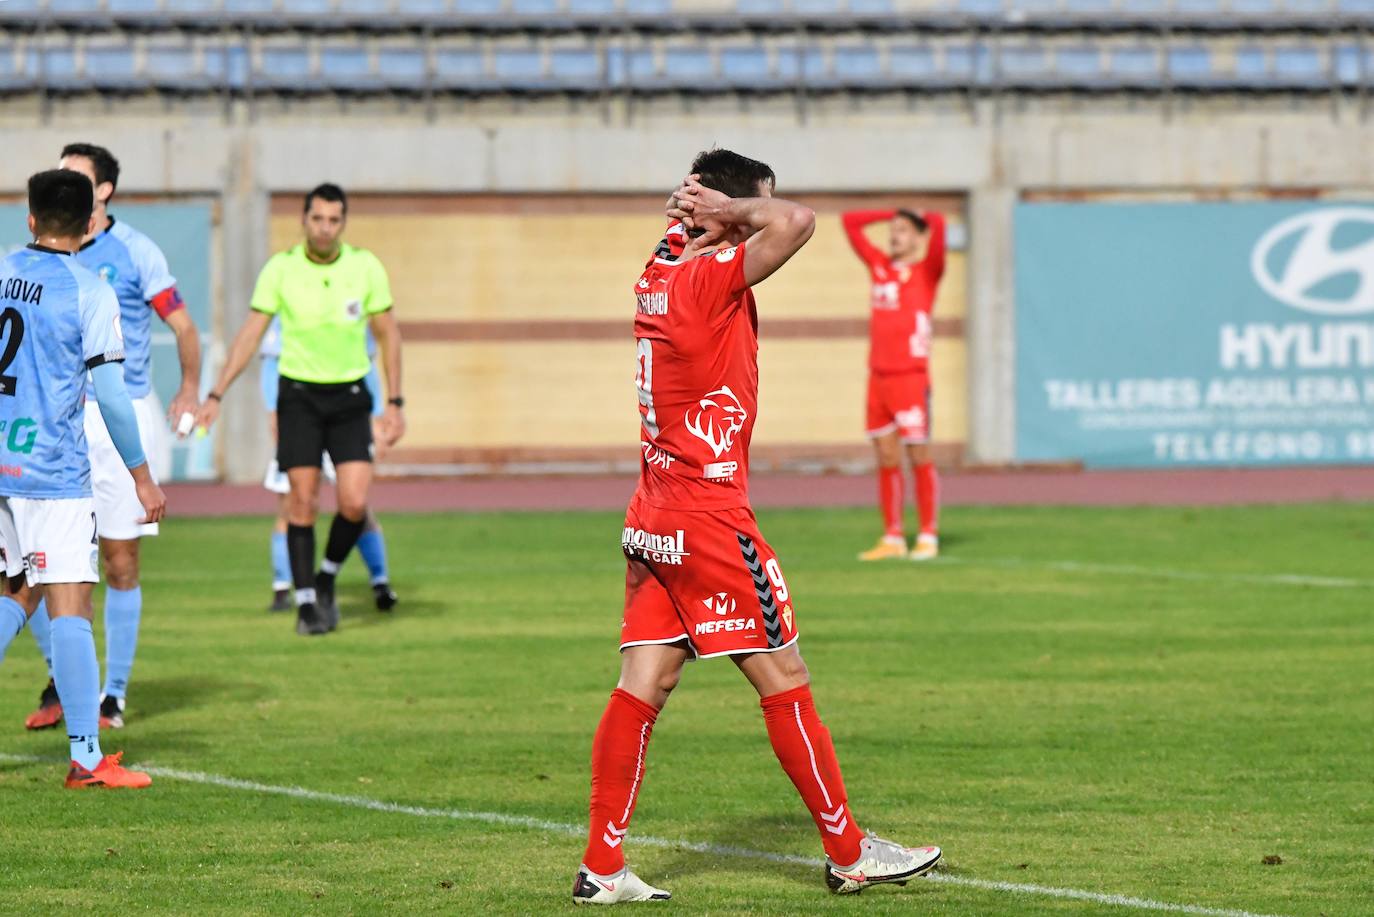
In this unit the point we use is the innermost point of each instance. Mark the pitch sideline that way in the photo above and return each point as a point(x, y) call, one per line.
point(563, 828)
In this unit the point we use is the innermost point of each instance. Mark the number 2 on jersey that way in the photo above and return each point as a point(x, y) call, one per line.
point(12, 330)
point(644, 382)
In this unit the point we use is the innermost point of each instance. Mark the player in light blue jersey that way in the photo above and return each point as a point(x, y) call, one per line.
point(372, 543)
point(135, 267)
point(58, 321)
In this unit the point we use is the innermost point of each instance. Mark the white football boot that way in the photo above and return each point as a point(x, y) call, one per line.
point(589, 888)
point(880, 861)
point(927, 547)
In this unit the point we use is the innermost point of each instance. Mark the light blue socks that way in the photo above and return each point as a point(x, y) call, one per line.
point(77, 674)
point(281, 563)
point(372, 546)
point(11, 623)
point(123, 609)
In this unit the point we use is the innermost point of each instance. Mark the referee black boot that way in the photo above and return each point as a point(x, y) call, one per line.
point(325, 600)
point(309, 621)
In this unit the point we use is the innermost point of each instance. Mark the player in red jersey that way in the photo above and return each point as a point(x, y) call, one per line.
point(700, 579)
point(904, 281)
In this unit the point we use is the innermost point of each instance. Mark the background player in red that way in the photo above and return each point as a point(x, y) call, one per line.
point(904, 281)
point(700, 579)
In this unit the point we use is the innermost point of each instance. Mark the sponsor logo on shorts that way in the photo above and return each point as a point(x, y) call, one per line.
point(655, 456)
point(722, 603)
point(717, 420)
point(729, 624)
point(95, 562)
point(661, 549)
point(720, 471)
point(38, 560)
point(911, 419)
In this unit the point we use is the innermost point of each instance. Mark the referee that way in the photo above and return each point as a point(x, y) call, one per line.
point(327, 294)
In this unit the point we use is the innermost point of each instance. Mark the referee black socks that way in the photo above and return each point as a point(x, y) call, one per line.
point(343, 535)
point(300, 547)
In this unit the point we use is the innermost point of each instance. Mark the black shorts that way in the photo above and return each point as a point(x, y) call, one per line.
point(314, 418)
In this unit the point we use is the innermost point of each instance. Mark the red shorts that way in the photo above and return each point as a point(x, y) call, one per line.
point(900, 403)
point(707, 578)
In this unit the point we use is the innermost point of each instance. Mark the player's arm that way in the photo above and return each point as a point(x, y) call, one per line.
point(781, 227)
point(186, 402)
point(241, 352)
point(934, 262)
point(854, 222)
point(388, 335)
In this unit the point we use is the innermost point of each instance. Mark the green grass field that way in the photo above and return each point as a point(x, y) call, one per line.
point(1115, 701)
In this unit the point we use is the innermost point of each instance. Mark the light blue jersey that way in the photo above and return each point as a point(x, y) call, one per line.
point(135, 267)
point(57, 320)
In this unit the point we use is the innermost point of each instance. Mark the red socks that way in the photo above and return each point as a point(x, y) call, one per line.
point(927, 498)
point(891, 498)
point(617, 774)
point(803, 746)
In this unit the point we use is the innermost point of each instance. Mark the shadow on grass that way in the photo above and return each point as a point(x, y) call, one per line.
point(744, 834)
point(157, 696)
point(355, 611)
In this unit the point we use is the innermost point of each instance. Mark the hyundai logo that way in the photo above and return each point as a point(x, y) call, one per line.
point(1297, 263)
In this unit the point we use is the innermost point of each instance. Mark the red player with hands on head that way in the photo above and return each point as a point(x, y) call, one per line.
point(903, 281)
point(701, 580)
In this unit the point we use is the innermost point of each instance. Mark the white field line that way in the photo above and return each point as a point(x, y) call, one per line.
point(1008, 563)
point(718, 850)
point(1171, 573)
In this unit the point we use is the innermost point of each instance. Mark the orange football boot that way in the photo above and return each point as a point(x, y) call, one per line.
point(49, 712)
point(107, 774)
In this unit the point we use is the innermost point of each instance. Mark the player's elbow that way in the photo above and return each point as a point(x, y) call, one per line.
point(801, 222)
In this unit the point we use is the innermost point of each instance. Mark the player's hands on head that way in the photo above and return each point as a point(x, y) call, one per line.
point(152, 498)
point(703, 210)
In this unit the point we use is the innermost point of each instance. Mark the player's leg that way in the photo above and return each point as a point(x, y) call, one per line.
point(78, 683)
point(300, 451)
point(915, 427)
point(854, 859)
point(49, 712)
point(882, 430)
point(653, 651)
point(281, 557)
point(302, 507)
point(372, 547)
point(348, 440)
point(123, 613)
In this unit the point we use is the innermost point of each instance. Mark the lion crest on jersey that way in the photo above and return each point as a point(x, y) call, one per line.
point(717, 420)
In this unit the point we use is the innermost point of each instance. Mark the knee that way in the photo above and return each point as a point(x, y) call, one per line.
point(651, 686)
point(121, 569)
point(301, 509)
point(352, 509)
point(889, 454)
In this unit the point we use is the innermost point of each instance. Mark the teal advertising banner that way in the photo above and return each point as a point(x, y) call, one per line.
point(1160, 335)
point(183, 232)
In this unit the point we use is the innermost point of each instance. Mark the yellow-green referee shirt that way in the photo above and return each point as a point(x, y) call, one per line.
point(324, 310)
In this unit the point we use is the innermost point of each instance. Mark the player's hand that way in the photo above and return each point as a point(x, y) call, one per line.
point(701, 208)
point(152, 498)
point(183, 404)
point(208, 413)
point(393, 425)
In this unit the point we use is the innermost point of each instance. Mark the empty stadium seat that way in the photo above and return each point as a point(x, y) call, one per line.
point(1189, 66)
point(421, 8)
point(402, 68)
point(478, 8)
point(980, 8)
point(348, 70)
point(1301, 68)
point(1138, 67)
point(17, 71)
point(1023, 63)
point(459, 67)
point(307, 9)
point(1251, 66)
point(817, 7)
point(788, 63)
point(284, 68)
point(15, 7)
point(745, 67)
point(1347, 65)
point(1360, 8)
point(575, 68)
point(174, 67)
point(522, 67)
point(1089, 7)
point(58, 66)
point(872, 7)
point(641, 66)
point(648, 8)
point(67, 7)
point(590, 8)
point(133, 6)
point(911, 63)
point(688, 67)
point(1144, 8)
point(760, 7)
point(857, 65)
point(534, 7)
point(249, 7)
point(375, 8)
point(960, 62)
point(1080, 66)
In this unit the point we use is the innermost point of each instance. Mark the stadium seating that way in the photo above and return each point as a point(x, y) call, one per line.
point(353, 47)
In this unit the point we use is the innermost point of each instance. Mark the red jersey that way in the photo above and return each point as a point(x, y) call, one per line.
point(902, 295)
point(696, 335)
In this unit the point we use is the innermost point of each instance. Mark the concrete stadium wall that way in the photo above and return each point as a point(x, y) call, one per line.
point(990, 151)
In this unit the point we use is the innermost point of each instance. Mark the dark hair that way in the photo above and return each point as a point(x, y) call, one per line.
point(732, 174)
point(327, 192)
point(106, 166)
point(61, 202)
point(915, 219)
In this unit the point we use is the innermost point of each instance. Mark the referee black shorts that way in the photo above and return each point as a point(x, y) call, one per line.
point(315, 418)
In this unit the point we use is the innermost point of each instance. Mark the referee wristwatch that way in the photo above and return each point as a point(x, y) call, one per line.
point(397, 402)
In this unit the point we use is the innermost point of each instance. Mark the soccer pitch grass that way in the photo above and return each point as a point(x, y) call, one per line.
point(1127, 702)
